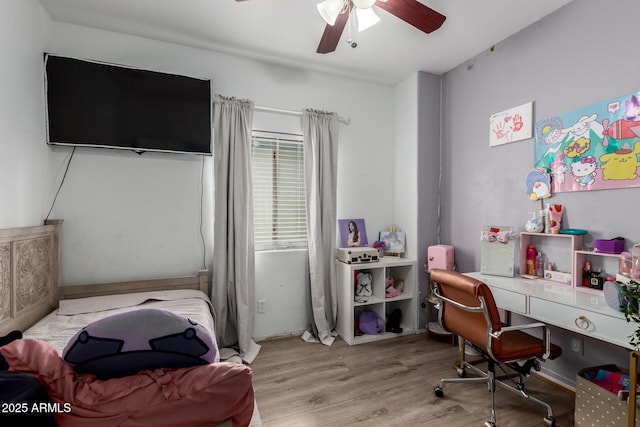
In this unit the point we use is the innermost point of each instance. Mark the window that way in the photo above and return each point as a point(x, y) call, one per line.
point(280, 212)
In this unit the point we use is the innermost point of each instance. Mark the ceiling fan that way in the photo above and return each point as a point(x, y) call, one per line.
point(337, 12)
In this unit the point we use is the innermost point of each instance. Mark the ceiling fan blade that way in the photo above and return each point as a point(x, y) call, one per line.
point(415, 13)
point(332, 34)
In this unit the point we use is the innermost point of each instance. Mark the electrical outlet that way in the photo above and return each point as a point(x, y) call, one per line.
point(577, 345)
point(262, 306)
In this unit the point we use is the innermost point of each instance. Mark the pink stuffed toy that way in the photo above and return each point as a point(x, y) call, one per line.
point(390, 290)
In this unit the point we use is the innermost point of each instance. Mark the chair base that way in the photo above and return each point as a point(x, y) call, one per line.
point(490, 379)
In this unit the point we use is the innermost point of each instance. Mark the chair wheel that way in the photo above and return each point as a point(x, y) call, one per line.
point(438, 391)
point(550, 421)
point(489, 424)
point(461, 372)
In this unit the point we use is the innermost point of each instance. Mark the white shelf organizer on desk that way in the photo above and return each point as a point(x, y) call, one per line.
point(557, 248)
point(567, 252)
point(569, 306)
point(349, 310)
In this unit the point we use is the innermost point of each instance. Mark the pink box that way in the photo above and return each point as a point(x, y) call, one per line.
point(609, 246)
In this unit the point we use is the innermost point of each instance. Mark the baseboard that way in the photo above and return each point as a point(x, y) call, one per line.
point(556, 382)
point(290, 334)
point(299, 333)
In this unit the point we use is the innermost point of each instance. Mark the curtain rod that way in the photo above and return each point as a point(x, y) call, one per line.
point(344, 120)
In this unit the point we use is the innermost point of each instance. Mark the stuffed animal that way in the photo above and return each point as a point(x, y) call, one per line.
point(399, 285)
point(371, 323)
point(389, 289)
point(393, 287)
point(363, 287)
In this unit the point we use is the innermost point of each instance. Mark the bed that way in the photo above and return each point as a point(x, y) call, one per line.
point(51, 316)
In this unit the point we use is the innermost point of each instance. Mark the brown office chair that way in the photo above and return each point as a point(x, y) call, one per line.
point(467, 309)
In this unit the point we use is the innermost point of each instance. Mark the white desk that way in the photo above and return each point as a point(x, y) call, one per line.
point(580, 310)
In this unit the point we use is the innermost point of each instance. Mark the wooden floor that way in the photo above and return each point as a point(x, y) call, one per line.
point(386, 383)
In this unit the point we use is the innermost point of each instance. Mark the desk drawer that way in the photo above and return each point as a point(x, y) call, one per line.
point(511, 301)
point(597, 325)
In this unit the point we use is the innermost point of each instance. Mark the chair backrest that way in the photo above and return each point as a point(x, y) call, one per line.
point(467, 291)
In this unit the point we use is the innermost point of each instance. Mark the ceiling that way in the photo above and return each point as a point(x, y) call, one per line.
point(287, 32)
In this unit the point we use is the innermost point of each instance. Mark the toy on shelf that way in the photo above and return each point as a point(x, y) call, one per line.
point(393, 287)
point(363, 287)
point(535, 225)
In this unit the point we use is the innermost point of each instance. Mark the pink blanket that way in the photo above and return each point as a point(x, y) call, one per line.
point(196, 396)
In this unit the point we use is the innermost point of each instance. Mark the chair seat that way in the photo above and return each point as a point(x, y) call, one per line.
point(518, 345)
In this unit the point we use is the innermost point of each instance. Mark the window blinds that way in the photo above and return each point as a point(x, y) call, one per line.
point(280, 218)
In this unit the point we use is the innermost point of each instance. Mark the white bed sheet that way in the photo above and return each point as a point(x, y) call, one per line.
point(58, 328)
point(60, 325)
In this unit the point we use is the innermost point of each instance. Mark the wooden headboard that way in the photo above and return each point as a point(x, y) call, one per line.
point(31, 277)
point(29, 274)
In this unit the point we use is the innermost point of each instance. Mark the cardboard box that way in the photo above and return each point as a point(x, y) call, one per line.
point(596, 406)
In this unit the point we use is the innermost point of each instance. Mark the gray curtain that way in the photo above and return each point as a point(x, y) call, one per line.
point(233, 254)
point(320, 132)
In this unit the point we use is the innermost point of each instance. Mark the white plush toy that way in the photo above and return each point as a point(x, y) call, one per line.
point(363, 288)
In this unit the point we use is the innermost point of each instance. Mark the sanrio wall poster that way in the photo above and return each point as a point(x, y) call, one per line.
point(592, 148)
point(511, 125)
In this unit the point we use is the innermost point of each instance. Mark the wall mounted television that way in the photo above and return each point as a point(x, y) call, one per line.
point(95, 104)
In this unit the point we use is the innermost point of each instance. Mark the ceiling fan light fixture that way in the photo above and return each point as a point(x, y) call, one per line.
point(366, 18)
point(330, 9)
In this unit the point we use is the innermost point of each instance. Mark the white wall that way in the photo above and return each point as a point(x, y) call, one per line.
point(404, 161)
point(129, 216)
point(282, 280)
point(570, 59)
point(24, 187)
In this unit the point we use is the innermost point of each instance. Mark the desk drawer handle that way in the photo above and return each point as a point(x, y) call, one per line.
point(582, 323)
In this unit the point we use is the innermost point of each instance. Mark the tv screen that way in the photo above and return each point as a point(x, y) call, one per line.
point(95, 104)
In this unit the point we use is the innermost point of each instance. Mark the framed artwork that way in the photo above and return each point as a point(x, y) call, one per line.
point(393, 241)
point(514, 124)
point(352, 233)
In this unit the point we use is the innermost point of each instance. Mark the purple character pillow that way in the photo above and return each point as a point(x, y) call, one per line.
point(144, 339)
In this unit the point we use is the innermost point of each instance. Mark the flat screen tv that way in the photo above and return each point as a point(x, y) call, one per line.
point(95, 104)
